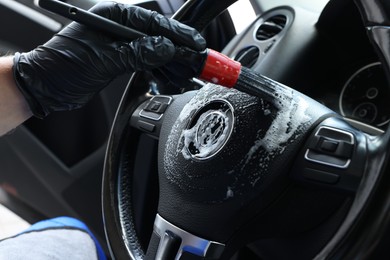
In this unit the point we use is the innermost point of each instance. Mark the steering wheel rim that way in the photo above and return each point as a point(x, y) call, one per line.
point(120, 230)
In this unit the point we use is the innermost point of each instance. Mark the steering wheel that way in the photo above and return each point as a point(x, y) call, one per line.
point(238, 171)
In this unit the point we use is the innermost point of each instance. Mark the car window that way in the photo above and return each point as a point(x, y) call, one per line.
point(316, 5)
point(236, 12)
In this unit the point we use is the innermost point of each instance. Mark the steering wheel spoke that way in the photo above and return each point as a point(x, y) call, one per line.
point(333, 156)
point(149, 115)
point(171, 242)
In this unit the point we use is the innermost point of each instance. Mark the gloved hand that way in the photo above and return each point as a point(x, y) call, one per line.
point(65, 72)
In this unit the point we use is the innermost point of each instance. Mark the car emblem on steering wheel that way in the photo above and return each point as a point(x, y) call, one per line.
point(209, 130)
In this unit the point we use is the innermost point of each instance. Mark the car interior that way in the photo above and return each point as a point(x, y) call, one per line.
point(101, 165)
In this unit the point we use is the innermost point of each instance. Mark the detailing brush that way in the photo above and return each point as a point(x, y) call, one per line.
point(208, 65)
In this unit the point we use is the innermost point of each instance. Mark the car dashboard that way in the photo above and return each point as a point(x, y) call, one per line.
point(326, 56)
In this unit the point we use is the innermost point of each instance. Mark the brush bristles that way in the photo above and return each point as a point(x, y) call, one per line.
point(255, 84)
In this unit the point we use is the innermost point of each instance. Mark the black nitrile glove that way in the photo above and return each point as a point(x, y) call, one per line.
point(186, 64)
point(65, 72)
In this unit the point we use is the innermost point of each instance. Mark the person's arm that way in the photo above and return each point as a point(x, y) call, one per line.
point(14, 109)
point(77, 62)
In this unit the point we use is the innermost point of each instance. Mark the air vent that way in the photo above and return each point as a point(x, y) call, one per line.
point(248, 56)
point(271, 27)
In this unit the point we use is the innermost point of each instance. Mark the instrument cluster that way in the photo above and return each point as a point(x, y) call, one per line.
point(365, 96)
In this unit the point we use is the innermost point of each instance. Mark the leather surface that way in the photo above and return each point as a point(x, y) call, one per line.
point(375, 12)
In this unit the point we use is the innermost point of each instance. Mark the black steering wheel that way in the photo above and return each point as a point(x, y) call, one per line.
point(268, 172)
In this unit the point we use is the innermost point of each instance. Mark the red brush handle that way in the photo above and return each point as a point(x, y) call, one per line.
point(220, 69)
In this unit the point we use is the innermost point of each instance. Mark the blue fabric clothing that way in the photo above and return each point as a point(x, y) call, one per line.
point(57, 238)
